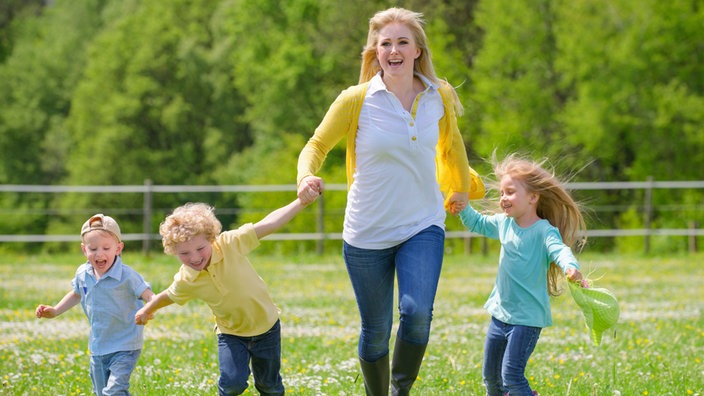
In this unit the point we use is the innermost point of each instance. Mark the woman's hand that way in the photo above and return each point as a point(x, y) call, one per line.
point(456, 202)
point(310, 188)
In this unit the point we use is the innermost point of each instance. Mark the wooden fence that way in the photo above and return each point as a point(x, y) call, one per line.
point(148, 190)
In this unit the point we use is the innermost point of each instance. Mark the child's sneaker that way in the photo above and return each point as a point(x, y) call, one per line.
point(535, 393)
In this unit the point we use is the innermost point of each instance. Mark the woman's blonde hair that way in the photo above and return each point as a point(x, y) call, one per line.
point(186, 222)
point(555, 204)
point(422, 65)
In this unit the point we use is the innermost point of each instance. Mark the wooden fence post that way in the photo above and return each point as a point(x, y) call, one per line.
point(147, 217)
point(320, 242)
point(648, 215)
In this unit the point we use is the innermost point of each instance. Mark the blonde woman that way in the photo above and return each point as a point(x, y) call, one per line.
point(406, 165)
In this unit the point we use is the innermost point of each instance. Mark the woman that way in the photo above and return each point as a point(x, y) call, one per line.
point(404, 151)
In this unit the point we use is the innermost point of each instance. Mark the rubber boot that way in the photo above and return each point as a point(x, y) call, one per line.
point(376, 376)
point(405, 366)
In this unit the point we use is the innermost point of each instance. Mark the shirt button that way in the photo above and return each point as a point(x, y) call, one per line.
point(413, 138)
point(411, 124)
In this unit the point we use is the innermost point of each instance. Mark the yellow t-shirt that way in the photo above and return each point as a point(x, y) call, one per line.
point(235, 293)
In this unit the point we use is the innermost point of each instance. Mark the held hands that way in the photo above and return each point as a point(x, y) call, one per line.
point(142, 317)
point(456, 202)
point(310, 188)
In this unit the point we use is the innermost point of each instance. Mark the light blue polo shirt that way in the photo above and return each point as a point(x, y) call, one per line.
point(110, 304)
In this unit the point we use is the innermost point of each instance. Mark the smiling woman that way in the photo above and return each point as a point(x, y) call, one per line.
point(402, 141)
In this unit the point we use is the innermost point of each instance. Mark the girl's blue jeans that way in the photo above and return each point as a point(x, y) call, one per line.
point(263, 350)
point(416, 263)
point(506, 353)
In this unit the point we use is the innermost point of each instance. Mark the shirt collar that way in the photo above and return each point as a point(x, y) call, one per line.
point(377, 84)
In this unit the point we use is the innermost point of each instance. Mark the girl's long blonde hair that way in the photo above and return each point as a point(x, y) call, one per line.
point(423, 64)
point(555, 204)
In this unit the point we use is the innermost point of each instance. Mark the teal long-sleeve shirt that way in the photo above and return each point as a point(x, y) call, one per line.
point(520, 293)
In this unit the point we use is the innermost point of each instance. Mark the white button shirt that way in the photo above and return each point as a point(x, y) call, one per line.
point(395, 193)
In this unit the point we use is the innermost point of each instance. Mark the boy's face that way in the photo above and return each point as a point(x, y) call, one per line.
point(195, 252)
point(101, 249)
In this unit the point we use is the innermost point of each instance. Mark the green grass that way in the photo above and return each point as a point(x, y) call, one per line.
point(656, 349)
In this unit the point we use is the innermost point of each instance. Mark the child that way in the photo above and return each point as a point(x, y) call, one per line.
point(537, 214)
point(109, 292)
point(216, 270)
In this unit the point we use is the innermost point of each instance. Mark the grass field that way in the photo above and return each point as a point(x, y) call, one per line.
point(656, 349)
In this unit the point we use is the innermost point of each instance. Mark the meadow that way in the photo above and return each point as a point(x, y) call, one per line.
point(656, 349)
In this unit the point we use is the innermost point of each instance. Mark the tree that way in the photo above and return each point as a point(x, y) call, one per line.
point(36, 83)
point(167, 109)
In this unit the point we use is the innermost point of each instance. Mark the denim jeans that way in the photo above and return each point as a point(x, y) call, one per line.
point(506, 353)
point(263, 350)
point(416, 263)
point(111, 373)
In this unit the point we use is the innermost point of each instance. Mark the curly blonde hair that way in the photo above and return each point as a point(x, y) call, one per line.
point(423, 65)
point(186, 222)
point(555, 204)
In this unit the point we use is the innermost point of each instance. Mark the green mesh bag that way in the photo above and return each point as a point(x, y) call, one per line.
point(599, 307)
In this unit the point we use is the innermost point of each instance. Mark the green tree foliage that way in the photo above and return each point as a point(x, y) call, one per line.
point(612, 90)
point(167, 110)
point(14, 12)
point(515, 80)
point(37, 80)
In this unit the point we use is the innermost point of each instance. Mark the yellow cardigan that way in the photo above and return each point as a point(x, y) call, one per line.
point(453, 171)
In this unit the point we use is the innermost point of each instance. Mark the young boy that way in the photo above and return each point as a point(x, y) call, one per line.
point(216, 270)
point(110, 294)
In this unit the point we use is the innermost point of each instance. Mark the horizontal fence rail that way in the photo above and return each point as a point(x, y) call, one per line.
point(147, 189)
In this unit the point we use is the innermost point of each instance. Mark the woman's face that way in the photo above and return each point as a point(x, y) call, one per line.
point(396, 49)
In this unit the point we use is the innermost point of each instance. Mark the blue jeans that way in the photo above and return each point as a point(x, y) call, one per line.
point(263, 350)
point(506, 353)
point(416, 263)
point(111, 373)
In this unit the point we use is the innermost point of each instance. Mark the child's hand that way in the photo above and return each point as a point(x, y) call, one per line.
point(45, 311)
point(573, 275)
point(141, 317)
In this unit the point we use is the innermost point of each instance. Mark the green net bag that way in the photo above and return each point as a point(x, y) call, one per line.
point(599, 307)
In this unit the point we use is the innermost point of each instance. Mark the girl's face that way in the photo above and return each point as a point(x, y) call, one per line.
point(195, 252)
point(101, 249)
point(396, 49)
point(515, 200)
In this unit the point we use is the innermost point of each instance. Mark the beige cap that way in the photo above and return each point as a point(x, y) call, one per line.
point(102, 222)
